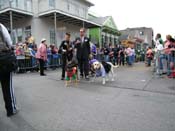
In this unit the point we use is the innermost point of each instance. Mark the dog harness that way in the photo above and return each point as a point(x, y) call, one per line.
point(101, 72)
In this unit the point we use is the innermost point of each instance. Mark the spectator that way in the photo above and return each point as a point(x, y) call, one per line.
point(149, 55)
point(167, 52)
point(129, 55)
point(30, 40)
point(106, 53)
point(172, 58)
point(93, 49)
point(41, 55)
point(122, 56)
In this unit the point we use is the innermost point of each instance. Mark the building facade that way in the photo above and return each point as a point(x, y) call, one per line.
point(45, 18)
point(106, 33)
point(142, 35)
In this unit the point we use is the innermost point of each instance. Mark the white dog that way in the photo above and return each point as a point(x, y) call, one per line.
point(103, 69)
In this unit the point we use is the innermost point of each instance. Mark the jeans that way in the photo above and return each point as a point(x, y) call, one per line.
point(133, 58)
point(149, 61)
point(106, 58)
point(129, 60)
point(161, 58)
point(41, 64)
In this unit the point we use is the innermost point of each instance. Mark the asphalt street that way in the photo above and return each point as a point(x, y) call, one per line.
point(137, 100)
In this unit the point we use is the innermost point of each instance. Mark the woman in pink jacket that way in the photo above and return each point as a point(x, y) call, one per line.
point(41, 55)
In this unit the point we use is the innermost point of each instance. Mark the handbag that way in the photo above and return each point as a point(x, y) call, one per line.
point(8, 61)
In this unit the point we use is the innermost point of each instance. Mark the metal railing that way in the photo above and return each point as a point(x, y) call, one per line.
point(25, 5)
point(30, 63)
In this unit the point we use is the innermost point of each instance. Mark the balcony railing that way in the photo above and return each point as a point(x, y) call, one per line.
point(70, 7)
point(23, 5)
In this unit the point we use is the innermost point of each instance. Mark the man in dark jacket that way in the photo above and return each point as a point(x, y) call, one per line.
point(82, 46)
point(6, 76)
point(66, 50)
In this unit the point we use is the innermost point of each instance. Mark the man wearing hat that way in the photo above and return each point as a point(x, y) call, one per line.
point(41, 55)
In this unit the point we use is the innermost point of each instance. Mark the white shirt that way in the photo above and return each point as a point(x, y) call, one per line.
point(129, 51)
point(82, 39)
point(160, 47)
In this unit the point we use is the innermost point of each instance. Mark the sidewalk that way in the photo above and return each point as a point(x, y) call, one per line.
point(143, 78)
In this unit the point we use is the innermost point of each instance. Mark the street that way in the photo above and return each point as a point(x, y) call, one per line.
point(137, 100)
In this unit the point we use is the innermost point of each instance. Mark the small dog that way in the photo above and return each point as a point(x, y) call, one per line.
point(103, 69)
point(71, 73)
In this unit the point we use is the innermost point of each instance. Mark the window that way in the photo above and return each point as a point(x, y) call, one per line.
point(52, 3)
point(27, 31)
point(77, 11)
point(52, 37)
point(28, 5)
point(141, 33)
point(20, 4)
point(14, 37)
point(1, 4)
point(72, 8)
point(115, 41)
point(68, 6)
point(19, 34)
point(83, 12)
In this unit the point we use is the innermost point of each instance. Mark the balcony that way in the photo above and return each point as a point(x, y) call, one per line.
point(19, 9)
point(67, 11)
point(22, 5)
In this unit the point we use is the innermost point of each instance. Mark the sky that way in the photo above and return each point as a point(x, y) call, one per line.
point(157, 14)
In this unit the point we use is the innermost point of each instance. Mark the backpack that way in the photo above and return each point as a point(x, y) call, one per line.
point(8, 60)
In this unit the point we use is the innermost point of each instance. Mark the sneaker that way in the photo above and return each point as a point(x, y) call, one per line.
point(87, 77)
point(11, 114)
point(81, 76)
point(62, 78)
point(42, 74)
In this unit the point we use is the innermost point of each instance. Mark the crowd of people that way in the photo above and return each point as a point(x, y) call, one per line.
point(164, 55)
point(29, 48)
point(26, 54)
point(118, 54)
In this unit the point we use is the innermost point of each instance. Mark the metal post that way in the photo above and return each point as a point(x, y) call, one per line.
point(100, 38)
point(83, 24)
point(55, 29)
point(11, 24)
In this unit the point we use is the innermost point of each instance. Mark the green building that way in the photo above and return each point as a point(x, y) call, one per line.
point(107, 33)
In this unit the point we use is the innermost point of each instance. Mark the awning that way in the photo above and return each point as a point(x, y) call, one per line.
point(16, 15)
point(69, 18)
